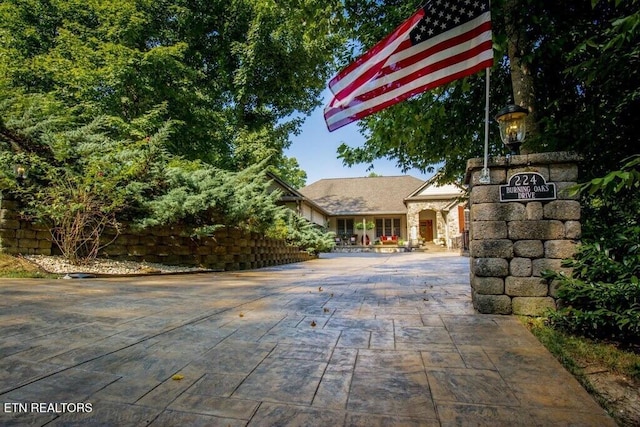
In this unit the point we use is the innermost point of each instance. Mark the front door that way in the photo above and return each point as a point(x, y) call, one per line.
point(426, 230)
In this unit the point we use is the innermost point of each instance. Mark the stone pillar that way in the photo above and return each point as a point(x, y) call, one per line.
point(17, 236)
point(514, 240)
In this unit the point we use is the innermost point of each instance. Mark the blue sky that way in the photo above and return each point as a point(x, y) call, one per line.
point(316, 151)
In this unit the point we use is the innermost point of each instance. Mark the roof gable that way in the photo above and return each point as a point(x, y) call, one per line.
point(290, 194)
point(432, 190)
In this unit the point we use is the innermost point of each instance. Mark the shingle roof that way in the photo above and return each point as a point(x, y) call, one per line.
point(369, 195)
point(290, 194)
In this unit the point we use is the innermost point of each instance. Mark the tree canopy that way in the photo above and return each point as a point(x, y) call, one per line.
point(158, 111)
point(233, 76)
point(579, 63)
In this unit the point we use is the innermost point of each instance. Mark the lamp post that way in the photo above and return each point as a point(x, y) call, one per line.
point(511, 120)
point(21, 173)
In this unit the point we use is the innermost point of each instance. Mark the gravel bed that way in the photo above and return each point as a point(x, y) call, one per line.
point(58, 265)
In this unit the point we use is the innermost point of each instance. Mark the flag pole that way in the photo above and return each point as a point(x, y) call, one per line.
point(484, 175)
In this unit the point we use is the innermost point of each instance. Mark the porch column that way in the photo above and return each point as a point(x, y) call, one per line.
point(413, 223)
point(441, 225)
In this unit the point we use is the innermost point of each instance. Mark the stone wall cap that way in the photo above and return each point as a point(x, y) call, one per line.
point(521, 160)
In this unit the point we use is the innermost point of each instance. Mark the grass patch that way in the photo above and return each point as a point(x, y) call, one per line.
point(14, 267)
point(577, 354)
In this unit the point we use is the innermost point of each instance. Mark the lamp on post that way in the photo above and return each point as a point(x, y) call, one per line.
point(511, 120)
point(20, 171)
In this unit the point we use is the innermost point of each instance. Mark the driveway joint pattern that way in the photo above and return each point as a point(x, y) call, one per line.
point(345, 340)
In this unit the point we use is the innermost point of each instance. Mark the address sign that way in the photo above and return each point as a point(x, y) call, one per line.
point(527, 186)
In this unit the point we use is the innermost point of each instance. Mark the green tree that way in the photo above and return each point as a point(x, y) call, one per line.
point(231, 75)
point(83, 179)
point(289, 170)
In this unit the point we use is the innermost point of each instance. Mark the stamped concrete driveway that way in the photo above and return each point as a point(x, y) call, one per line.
point(353, 339)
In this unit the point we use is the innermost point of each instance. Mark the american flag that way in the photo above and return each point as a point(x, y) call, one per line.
point(444, 41)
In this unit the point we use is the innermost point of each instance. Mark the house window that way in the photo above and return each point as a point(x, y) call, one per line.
point(387, 227)
point(344, 226)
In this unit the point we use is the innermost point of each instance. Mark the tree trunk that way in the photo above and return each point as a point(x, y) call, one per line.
point(521, 78)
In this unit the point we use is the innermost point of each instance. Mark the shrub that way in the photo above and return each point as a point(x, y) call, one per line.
point(84, 178)
point(297, 231)
point(601, 299)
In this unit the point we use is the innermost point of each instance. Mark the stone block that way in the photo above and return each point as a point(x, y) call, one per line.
point(553, 288)
point(541, 169)
point(536, 230)
point(562, 209)
point(560, 248)
point(137, 250)
point(181, 250)
point(491, 267)
point(168, 240)
point(572, 230)
point(43, 235)
point(492, 304)
point(478, 162)
point(563, 191)
point(162, 250)
point(496, 176)
point(542, 264)
point(489, 230)
point(12, 250)
point(520, 267)
point(533, 211)
point(488, 285)
point(39, 227)
point(28, 243)
point(563, 172)
point(171, 260)
point(160, 231)
point(491, 248)
point(528, 249)
point(552, 157)
point(526, 287)
point(145, 240)
point(8, 233)
point(114, 249)
point(498, 212)
point(25, 234)
point(203, 250)
point(44, 244)
point(485, 194)
point(10, 205)
point(13, 224)
point(221, 234)
point(532, 306)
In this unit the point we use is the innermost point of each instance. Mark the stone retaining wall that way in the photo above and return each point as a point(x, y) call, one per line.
point(512, 243)
point(228, 249)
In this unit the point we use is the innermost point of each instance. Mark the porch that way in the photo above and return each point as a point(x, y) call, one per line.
point(386, 249)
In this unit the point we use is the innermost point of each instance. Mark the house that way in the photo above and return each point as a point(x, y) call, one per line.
point(394, 209)
point(294, 200)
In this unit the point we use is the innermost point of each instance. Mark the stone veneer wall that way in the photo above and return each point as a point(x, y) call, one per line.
point(228, 249)
point(441, 224)
point(512, 243)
